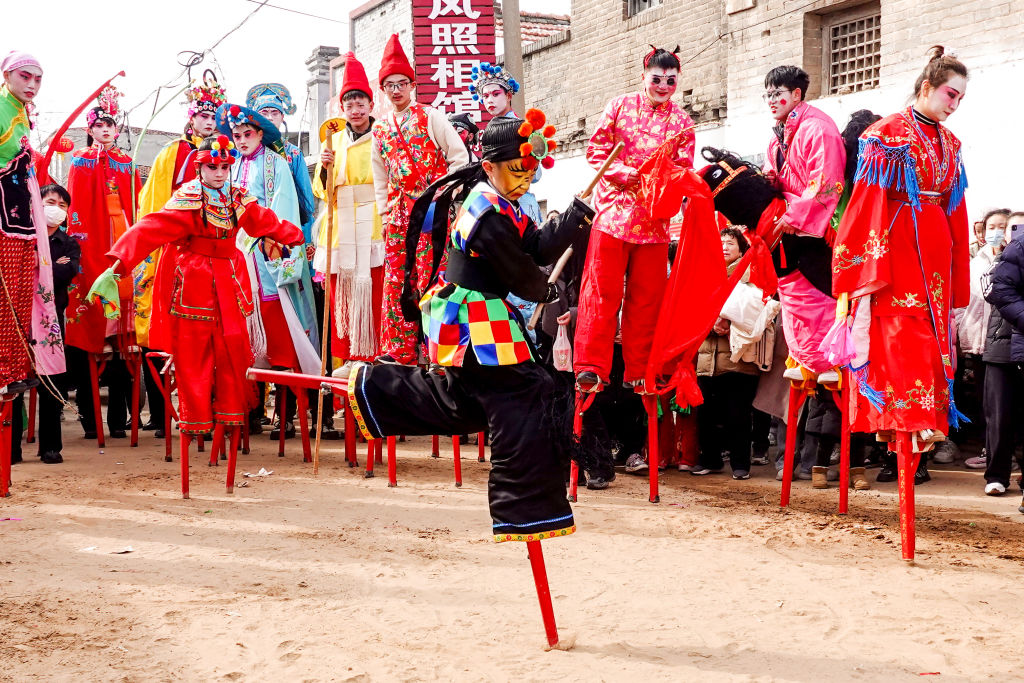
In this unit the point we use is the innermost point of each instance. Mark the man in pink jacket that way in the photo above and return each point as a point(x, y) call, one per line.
point(806, 158)
point(627, 260)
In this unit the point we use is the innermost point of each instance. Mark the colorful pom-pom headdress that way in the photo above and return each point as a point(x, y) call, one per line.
point(207, 96)
point(490, 74)
point(108, 107)
point(531, 140)
point(216, 149)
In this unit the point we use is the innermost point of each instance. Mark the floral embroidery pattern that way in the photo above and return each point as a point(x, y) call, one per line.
point(909, 300)
point(875, 247)
point(921, 395)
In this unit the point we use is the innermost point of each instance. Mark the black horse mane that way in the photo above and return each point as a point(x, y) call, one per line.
point(746, 196)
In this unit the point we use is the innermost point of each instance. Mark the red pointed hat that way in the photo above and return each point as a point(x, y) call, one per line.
point(354, 77)
point(394, 61)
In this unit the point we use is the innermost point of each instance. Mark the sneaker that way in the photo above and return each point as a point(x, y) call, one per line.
point(833, 459)
point(686, 468)
point(597, 483)
point(759, 458)
point(945, 453)
point(700, 471)
point(118, 434)
point(289, 431)
point(779, 475)
point(802, 476)
point(636, 464)
point(886, 474)
point(588, 381)
point(994, 488)
point(921, 476)
point(51, 458)
point(740, 474)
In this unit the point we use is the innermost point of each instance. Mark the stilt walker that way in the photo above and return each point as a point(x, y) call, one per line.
point(202, 293)
point(902, 258)
point(489, 375)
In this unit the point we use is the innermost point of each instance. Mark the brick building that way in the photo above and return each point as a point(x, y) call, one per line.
point(859, 55)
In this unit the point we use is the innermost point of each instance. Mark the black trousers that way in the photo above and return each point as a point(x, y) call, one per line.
point(728, 402)
point(48, 434)
point(1003, 399)
point(619, 412)
point(821, 432)
point(761, 427)
point(526, 488)
point(119, 388)
point(154, 398)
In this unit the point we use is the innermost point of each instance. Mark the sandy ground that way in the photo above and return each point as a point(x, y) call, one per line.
point(339, 578)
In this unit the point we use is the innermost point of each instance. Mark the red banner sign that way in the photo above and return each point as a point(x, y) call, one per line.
point(450, 37)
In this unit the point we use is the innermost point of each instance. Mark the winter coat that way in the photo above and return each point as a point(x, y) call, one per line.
point(1006, 293)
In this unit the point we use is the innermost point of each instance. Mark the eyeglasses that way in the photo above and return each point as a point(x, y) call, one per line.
point(398, 86)
point(772, 95)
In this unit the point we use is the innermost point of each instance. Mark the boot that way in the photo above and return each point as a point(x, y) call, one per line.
point(857, 479)
point(819, 477)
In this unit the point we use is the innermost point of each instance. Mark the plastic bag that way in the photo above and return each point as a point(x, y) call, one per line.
point(562, 349)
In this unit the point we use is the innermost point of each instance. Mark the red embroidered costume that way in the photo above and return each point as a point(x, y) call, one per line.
point(902, 250)
point(202, 294)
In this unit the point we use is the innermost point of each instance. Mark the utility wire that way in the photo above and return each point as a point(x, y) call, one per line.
point(305, 14)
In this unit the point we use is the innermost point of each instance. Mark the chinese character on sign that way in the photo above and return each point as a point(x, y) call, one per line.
point(454, 39)
point(456, 103)
point(441, 8)
point(454, 75)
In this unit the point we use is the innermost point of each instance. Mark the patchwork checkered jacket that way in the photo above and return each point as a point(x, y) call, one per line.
point(455, 317)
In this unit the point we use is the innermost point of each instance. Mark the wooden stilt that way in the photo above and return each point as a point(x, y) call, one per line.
point(481, 443)
point(94, 380)
point(796, 400)
point(435, 446)
point(282, 411)
point(457, 456)
point(392, 463)
point(184, 439)
point(165, 381)
point(371, 445)
point(582, 402)
point(245, 438)
point(842, 399)
point(218, 443)
point(6, 410)
point(303, 410)
point(651, 403)
point(378, 452)
point(30, 433)
point(906, 467)
point(540, 579)
point(350, 437)
point(233, 458)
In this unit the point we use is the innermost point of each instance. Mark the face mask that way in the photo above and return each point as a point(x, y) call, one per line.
point(994, 239)
point(54, 215)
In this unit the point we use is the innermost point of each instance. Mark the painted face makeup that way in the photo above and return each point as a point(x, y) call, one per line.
point(781, 101)
point(103, 132)
point(660, 84)
point(274, 115)
point(215, 175)
point(496, 100)
point(247, 139)
point(509, 178)
point(357, 112)
point(939, 103)
point(23, 83)
point(203, 124)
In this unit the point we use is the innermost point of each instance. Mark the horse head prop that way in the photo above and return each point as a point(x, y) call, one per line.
point(740, 192)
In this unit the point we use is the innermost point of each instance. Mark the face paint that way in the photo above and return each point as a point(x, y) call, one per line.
point(509, 177)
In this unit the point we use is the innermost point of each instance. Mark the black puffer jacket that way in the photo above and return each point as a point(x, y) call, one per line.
point(1005, 291)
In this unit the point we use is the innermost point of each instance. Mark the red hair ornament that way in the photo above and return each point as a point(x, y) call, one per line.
point(538, 147)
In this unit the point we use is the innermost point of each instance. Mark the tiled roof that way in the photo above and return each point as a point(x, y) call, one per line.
point(534, 26)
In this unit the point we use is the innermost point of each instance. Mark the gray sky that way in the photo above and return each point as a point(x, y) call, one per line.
point(81, 44)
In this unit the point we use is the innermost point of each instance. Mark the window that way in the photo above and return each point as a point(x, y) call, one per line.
point(853, 54)
point(634, 7)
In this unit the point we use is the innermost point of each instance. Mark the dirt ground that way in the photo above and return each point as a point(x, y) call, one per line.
point(339, 578)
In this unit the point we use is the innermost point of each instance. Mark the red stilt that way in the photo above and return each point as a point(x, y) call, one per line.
point(94, 379)
point(218, 443)
point(906, 467)
point(136, 380)
point(435, 446)
point(200, 443)
point(651, 403)
point(184, 439)
point(5, 448)
point(245, 437)
point(282, 410)
point(843, 401)
point(392, 463)
point(796, 400)
point(350, 436)
point(378, 452)
point(233, 458)
point(30, 433)
point(583, 401)
point(540, 578)
point(303, 410)
point(371, 445)
point(481, 442)
point(457, 455)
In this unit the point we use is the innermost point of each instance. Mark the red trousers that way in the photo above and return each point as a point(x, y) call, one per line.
point(209, 385)
point(617, 275)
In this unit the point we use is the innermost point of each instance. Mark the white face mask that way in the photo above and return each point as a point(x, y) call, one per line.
point(54, 215)
point(994, 238)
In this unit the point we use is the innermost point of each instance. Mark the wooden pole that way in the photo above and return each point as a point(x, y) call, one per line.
point(513, 44)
